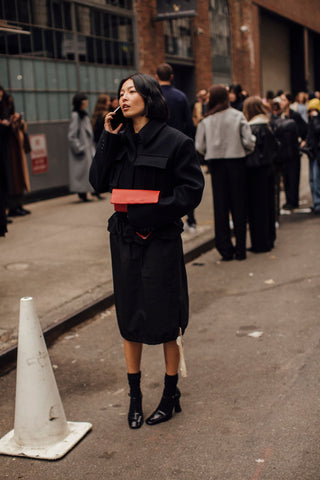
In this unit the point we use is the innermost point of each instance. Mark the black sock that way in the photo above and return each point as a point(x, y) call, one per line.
point(170, 385)
point(134, 384)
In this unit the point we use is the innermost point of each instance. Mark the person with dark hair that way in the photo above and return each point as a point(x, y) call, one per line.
point(81, 147)
point(224, 138)
point(143, 156)
point(101, 109)
point(290, 136)
point(260, 177)
point(180, 115)
point(235, 96)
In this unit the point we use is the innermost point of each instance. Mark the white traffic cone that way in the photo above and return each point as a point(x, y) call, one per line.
point(40, 426)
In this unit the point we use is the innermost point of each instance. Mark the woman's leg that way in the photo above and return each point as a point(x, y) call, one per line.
point(171, 394)
point(171, 357)
point(133, 352)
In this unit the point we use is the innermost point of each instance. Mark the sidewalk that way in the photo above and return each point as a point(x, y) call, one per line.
point(59, 255)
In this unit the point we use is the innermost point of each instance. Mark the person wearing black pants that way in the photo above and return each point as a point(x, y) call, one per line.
point(228, 178)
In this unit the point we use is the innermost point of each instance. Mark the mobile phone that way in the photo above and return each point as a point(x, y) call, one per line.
point(117, 118)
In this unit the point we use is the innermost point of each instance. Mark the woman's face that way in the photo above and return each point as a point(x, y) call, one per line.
point(84, 104)
point(284, 102)
point(130, 101)
point(232, 96)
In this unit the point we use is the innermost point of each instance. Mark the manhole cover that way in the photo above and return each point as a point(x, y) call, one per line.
point(17, 266)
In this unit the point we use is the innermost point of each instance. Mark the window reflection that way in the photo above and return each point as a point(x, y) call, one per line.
point(178, 37)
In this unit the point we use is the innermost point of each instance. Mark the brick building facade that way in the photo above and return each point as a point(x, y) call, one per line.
point(272, 44)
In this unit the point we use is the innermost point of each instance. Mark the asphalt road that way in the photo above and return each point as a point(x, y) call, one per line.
point(250, 403)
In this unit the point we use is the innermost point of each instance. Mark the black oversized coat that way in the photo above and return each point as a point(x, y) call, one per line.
point(149, 275)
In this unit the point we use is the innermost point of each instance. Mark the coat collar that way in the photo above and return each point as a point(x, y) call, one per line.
point(148, 132)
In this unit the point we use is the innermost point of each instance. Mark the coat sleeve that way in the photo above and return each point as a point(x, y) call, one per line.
point(200, 138)
point(186, 195)
point(248, 140)
point(108, 147)
point(73, 135)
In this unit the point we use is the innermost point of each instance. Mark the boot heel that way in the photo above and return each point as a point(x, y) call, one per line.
point(177, 406)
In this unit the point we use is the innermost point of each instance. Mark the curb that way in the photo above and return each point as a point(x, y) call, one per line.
point(8, 358)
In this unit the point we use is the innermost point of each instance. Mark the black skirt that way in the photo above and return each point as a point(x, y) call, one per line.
point(150, 282)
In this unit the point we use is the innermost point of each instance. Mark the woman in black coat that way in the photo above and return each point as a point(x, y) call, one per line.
point(150, 284)
point(260, 177)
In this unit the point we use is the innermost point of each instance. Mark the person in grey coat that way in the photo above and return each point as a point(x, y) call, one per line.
point(224, 138)
point(81, 147)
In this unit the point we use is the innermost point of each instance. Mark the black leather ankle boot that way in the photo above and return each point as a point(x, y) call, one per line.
point(165, 409)
point(135, 415)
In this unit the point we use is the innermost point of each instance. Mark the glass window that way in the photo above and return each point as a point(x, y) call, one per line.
point(64, 105)
point(52, 79)
point(106, 25)
point(40, 75)
point(13, 44)
point(49, 42)
point(53, 100)
point(28, 74)
point(10, 10)
point(42, 106)
point(15, 74)
point(23, 11)
point(19, 103)
point(30, 106)
point(4, 80)
point(67, 15)
point(26, 46)
point(220, 40)
point(178, 37)
point(90, 49)
point(37, 40)
point(62, 76)
point(72, 76)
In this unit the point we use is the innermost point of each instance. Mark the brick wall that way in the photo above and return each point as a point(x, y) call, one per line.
point(202, 46)
point(150, 37)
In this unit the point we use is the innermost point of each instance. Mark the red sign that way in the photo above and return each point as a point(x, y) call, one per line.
point(39, 153)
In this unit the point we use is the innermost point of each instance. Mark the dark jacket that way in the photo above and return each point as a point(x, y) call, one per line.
point(313, 138)
point(157, 158)
point(286, 132)
point(266, 146)
point(180, 115)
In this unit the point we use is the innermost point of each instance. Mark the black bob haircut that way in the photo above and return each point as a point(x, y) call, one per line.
point(77, 101)
point(150, 90)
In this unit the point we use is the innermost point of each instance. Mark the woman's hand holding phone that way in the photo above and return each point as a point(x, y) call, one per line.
point(113, 121)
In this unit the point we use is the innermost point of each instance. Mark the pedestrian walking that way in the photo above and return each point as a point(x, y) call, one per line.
point(144, 154)
point(180, 115)
point(81, 147)
point(260, 177)
point(224, 138)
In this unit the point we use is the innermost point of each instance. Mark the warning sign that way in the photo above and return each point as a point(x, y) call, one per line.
point(39, 153)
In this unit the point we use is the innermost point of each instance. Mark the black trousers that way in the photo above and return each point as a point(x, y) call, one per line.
point(291, 178)
point(261, 208)
point(229, 187)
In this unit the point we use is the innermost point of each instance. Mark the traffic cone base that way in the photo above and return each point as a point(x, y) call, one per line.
point(77, 430)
